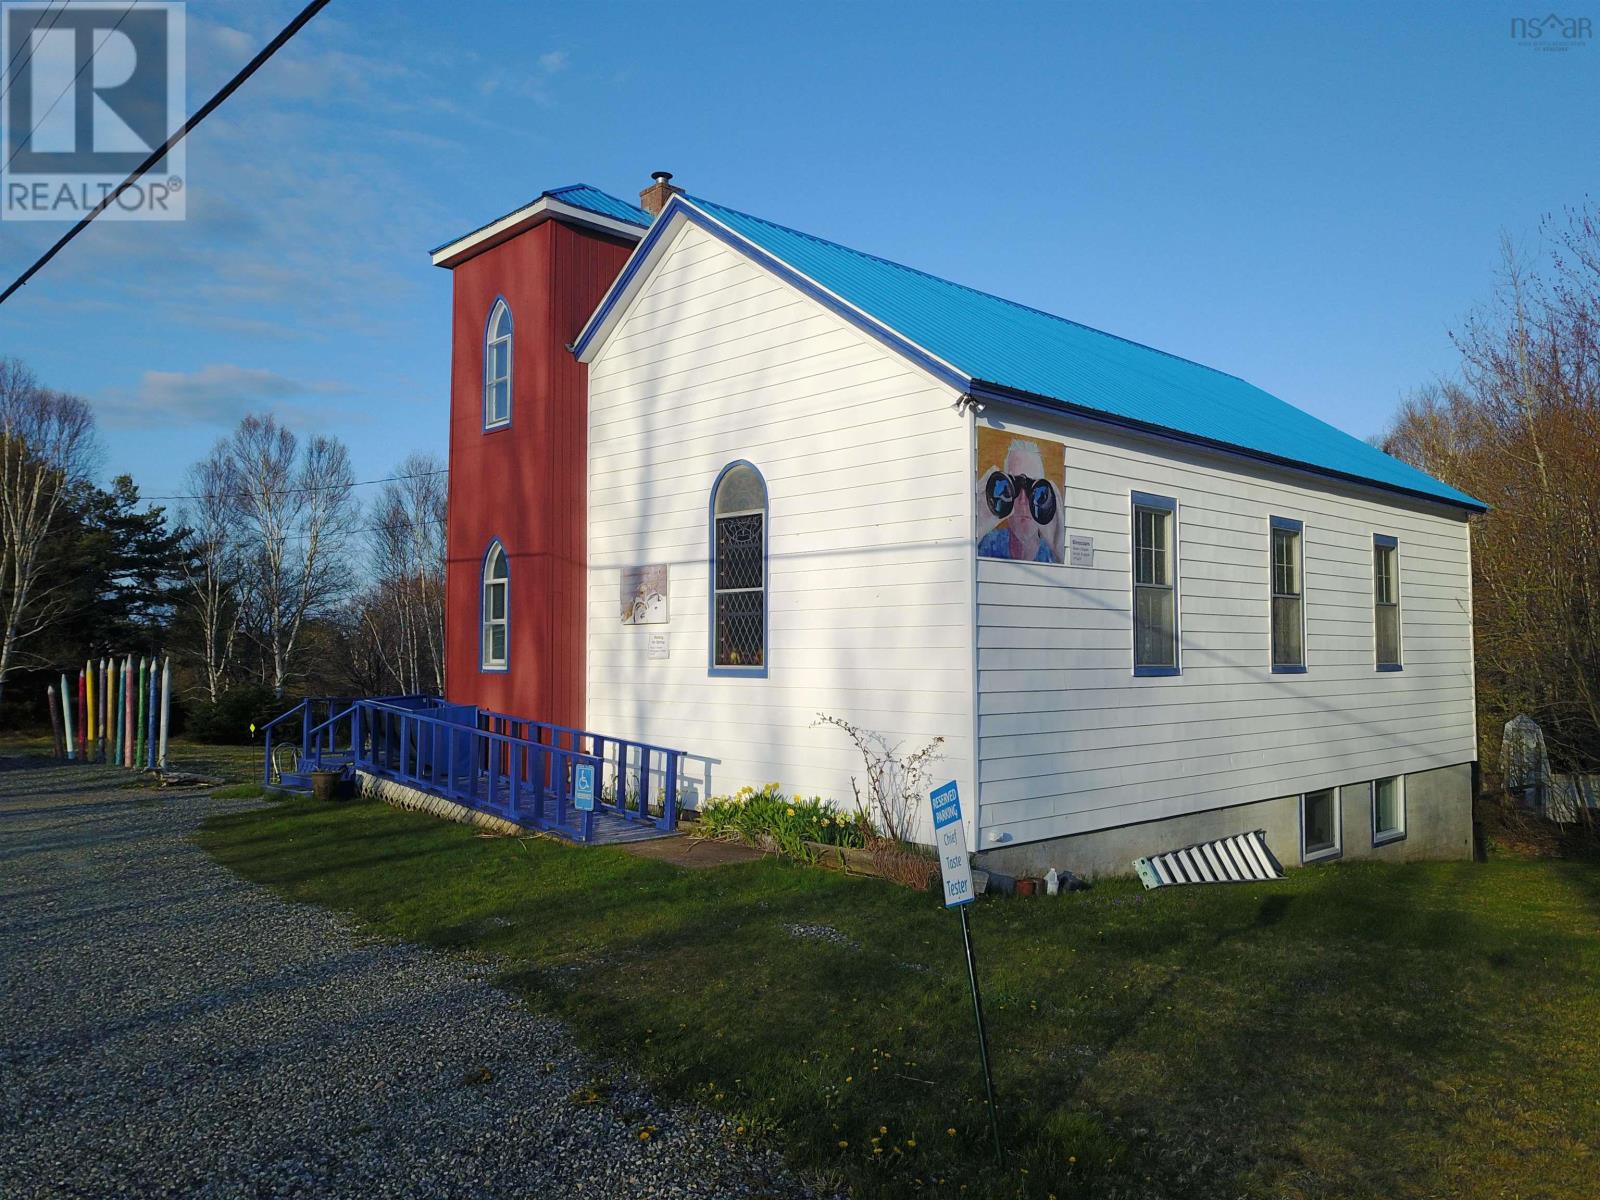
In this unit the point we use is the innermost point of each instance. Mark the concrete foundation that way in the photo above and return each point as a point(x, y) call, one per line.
point(401, 796)
point(1438, 826)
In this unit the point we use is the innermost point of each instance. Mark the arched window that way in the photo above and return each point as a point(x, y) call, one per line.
point(496, 586)
point(739, 571)
point(497, 367)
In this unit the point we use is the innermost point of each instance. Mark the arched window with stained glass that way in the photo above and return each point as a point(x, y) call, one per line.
point(739, 571)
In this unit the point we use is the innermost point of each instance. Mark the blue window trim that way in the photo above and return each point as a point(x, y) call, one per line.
point(1389, 542)
point(484, 667)
point(1299, 529)
point(711, 578)
point(1136, 501)
point(1322, 856)
point(1372, 800)
point(511, 367)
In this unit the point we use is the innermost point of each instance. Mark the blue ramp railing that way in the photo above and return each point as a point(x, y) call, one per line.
point(518, 769)
point(635, 777)
point(443, 750)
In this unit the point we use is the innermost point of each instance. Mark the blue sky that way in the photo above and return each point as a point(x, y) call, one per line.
point(1309, 196)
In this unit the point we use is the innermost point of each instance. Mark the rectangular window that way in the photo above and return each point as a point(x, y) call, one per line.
point(1388, 810)
point(1386, 600)
point(1319, 825)
point(1155, 585)
point(1288, 597)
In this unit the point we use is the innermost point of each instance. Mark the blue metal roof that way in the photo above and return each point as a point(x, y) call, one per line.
point(592, 199)
point(1019, 349)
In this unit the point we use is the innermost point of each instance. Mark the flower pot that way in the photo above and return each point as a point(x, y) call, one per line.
point(1027, 887)
point(325, 784)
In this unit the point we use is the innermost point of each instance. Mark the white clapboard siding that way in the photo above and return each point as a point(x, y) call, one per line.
point(870, 572)
point(1070, 740)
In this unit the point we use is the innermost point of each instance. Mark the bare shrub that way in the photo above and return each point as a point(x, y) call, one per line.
point(895, 786)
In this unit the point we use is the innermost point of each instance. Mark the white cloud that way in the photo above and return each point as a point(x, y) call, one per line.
point(218, 394)
point(554, 61)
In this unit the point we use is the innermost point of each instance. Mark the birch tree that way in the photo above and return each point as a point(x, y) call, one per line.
point(213, 569)
point(403, 615)
point(296, 514)
point(47, 445)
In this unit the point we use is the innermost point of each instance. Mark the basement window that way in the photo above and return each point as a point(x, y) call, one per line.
point(1388, 810)
point(1319, 825)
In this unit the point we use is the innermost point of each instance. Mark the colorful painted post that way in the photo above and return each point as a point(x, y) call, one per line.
point(166, 709)
point(82, 726)
point(129, 682)
point(116, 711)
point(110, 690)
point(148, 762)
point(108, 698)
point(55, 718)
point(90, 697)
point(138, 711)
point(70, 743)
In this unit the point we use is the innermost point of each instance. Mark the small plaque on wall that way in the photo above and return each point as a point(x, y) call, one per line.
point(1081, 549)
point(656, 647)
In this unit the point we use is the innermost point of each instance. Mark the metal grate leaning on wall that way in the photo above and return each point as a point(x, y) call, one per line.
point(1241, 859)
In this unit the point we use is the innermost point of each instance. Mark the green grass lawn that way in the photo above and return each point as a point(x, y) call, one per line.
point(1426, 1030)
point(236, 764)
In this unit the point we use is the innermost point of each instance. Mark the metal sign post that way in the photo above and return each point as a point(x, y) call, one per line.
point(950, 838)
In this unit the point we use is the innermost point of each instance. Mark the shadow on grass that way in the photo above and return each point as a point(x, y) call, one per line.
point(1358, 1030)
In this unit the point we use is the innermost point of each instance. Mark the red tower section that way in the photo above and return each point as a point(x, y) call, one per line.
point(523, 484)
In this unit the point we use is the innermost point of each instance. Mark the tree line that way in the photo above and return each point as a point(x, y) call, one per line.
point(270, 578)
point(1518, 426)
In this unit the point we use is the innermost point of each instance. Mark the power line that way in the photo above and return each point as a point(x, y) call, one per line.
point(205, 110)
point(27, 44)
point(71, 83)
point(321, 487)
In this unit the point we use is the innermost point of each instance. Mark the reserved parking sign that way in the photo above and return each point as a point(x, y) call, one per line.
point(583, 787)
point(950, 839)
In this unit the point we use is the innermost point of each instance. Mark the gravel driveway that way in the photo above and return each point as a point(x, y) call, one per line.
point(167, 1029)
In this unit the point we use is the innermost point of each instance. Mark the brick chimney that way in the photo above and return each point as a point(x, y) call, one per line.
point(654, 198)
